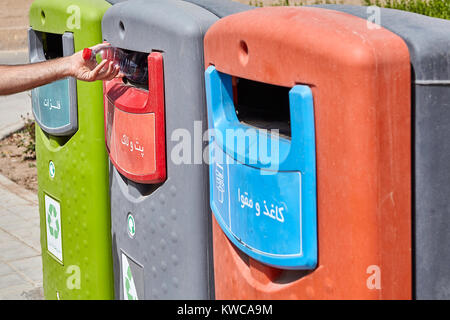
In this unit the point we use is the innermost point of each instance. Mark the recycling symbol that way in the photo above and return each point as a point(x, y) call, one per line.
point(51, 169)
point(52, 216)
point(128, 281)
point(131, 226)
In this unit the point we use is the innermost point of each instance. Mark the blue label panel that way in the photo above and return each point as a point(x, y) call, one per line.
point(262, 212)
point(51, 104)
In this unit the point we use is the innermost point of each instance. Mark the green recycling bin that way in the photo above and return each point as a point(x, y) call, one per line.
point(72, 162)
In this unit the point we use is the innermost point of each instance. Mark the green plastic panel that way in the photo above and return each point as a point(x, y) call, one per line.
point(73, 172)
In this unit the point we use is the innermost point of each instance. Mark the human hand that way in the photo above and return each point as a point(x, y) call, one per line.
point(88, 70)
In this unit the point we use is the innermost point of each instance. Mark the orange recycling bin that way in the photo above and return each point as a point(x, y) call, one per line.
point(359, 78)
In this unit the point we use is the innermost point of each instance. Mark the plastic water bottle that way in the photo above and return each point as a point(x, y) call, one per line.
point(132, 64)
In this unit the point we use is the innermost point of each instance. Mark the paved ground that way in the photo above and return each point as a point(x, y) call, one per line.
point(20, 250)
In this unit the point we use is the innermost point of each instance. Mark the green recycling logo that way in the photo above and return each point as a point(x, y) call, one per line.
point(52, 216)
point(51, 169)
point(131, 225)
point(128, 285)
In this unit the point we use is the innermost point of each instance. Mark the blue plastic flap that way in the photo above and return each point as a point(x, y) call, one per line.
point(54, 105)
point(264, 201)
point(51, 104)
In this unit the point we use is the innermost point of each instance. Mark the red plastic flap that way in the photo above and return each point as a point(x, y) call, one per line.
point(134, 126)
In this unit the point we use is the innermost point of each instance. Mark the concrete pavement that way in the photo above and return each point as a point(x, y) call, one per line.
point(20, 249)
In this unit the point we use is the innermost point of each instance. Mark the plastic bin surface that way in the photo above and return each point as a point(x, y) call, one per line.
point(73, 166)
point(360, 84)
point(170, 233)
point(428, 41)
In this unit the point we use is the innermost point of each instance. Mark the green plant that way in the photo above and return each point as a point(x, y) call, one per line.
point(432, 8)
point(281, 3)
point(256, 3)
point(28, 140)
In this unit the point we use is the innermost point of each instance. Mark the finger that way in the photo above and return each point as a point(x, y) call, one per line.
point(110, 69)
point(113, 75)
point(105, 75)
point(95, 73)
point(115, 72)
point(101, 46)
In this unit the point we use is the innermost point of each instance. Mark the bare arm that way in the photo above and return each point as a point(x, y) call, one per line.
point(14, 79)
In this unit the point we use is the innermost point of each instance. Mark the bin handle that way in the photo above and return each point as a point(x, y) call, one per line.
point(297, 152)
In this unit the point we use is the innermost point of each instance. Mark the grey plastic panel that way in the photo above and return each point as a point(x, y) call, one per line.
point(173, 220)
point(65, 90)
point(428, 40)
point(221, 8)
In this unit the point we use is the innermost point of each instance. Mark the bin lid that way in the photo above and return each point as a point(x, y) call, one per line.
point(143, 25)
point(221, 8)
point(427, 39)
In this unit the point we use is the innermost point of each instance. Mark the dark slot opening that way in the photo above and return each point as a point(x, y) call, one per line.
point(140, 189)
point(136, 189)
point(136, 64)
point(53, 45)
point(262, 105)
point(57, 141)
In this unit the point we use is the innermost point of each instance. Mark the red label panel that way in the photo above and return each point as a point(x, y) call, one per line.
point(132, 147)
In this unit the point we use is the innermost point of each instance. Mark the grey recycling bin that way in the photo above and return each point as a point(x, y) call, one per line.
point(221, 8)
point(428, 40)
point(161, 226)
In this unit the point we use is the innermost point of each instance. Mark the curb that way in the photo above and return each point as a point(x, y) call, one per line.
point(11, 186)
point(4, 133)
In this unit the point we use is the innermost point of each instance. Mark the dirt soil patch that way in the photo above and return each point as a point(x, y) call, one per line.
point(16, 162)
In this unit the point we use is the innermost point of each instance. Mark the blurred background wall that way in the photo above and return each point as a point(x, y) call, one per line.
point(14, 24)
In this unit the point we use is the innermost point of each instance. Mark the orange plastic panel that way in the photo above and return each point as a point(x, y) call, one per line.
point(360, 79)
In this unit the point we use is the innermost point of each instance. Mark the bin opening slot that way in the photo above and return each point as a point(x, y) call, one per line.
point(53, 45)
point(136, 189)
point(262, 105)
point(135, 65)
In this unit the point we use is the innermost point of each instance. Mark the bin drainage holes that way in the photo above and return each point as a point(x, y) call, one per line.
point(122, 29)
point(42, 16)
point(243, 52)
